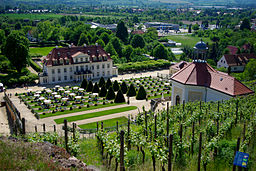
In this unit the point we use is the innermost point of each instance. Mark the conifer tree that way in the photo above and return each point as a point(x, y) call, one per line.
point(116, 86)
point(131, 91)
point(101, 82)
point(89, 87)
point(109, 83)
point(111, 94)
point(119, 97)
point(95, 88)
point(142, 94)
point(84, 84)
point(103, 91)
point(124, 87)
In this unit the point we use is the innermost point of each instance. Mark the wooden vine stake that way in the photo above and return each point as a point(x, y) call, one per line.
point(193, 138)
point(170, 153)
point(44, 128)
point(66, 134)
point(23, 126)
point(122, 168)
point(237, 149)
point(183, 105)
point(116, 126)
point(199, 153)
point(155, 127)
point(74, 131)
point(128, 132)
point(236, 111)
point(146, 125)
point(35, 128)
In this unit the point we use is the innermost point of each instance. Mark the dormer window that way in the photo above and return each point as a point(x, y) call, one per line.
point(86, 59)
point(58, 53)
point(100, 58)
point(89, 52)
point(76, 60)
point(82, 59)
point(61, 61)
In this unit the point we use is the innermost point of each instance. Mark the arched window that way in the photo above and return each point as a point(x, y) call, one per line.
point(177, 100)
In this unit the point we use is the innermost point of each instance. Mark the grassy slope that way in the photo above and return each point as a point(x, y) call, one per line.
point(18, 156)
point(106, 123)
point(187, 40)
point(95, 114)
point(31, 16)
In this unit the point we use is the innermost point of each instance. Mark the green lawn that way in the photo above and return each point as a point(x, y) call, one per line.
point(95, 114)
point(42, 51)
point(188, 40)
point(78, 110)
point(106, 123)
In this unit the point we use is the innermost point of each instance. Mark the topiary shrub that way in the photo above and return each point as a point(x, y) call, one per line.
point(124, 87)
point(104, 103)
point(116, 86)
point(70, 108)
point(89, 87)
point(101, 82)
point(103, 91)
point(88, 105)
point(95, 88)
point(110, 94)
point(16, 94)
point(84, 84)
point(142, 94)
point(131, 91)
point(108, 84)
point(119, 97)
point(95, 104)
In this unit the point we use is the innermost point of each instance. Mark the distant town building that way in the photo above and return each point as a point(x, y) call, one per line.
point(198, 81)
point(75, 64)
point(111, 27)
point(236, 62)
point(162, 26)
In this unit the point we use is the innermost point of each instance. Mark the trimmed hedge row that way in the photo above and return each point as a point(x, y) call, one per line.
point(35, 66)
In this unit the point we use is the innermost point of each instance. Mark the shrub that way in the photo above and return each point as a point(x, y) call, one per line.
point(79, 107)
point(95, 88)
point(89, 87)
point(103, 91)
point(70, 108)
point(116, 86)
point(119, 97)
point(124, 87)
point(142, 94)
point(101, 82)
point(84, 84)
point(109, 83)
point(35, 66)
point(131, 91)
point(88, 105)
point(110, 94)
point(95, 104)
point(104, 103)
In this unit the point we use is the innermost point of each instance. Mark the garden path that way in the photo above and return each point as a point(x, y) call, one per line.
point(4, 125)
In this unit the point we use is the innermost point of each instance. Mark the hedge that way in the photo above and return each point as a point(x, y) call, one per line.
point(35, 66)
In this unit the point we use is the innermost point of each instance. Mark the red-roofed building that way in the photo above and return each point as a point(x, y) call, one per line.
point(178, 66)
point(198, 81)
point(75, 64)
point(232, 49)
point(138, 32)
point(236, 62)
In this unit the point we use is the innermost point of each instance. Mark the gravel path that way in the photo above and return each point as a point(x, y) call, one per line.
point(4, 125)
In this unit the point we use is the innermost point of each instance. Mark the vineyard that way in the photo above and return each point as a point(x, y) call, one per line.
point(184, 137)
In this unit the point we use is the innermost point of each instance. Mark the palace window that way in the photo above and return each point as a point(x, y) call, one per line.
point(59, 70)
point(53, 71)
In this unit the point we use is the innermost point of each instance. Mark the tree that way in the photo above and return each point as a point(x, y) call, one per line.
point(55, 36)
point(111, 94)
point(142, 94)
point(135, 19)
point(105, 37)
point(117, 46)
point(138, 41)
point(116, 86)
point(103, 91)
point(131, 91)
point(83, 40)
point(101, 82)
point(127, 52)
point(121, 31)
point(17, 26)
point(160, 52)
point(124, 87)
point(245, 24)
point(95, 88)
point(89, 87)
point(100, 42)
point(195, 27)
point(16, 49)
point(189, 28)
point(109, 83)
point(2, 37)
point(84, 84)
point(250, 70)
point(119, 97)
point(44, 30)
point(110, 49)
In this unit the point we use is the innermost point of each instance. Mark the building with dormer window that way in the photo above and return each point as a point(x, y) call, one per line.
point(75, 64)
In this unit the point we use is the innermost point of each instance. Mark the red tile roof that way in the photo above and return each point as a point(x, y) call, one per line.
point(202, 74)
point(138, 32)
point(232, 49)
point(68, 53)
point(178, 66)
point(238, 59)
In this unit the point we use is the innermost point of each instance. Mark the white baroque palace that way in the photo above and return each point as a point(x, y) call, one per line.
point(75, 63)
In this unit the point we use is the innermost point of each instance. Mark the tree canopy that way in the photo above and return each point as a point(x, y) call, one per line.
point(121, 31)
point(138, 41)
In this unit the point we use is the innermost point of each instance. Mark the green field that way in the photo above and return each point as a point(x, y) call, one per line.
point(31, 16)
point(106, 123)
point(40, 51)
point(188, 40)
point(95, 114)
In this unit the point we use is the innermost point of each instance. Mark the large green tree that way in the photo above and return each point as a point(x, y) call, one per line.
point(16, 49)
point(160, 52)
point(245, 24)
point(117, 46)
point(250, 70)
point(44, 30)
point(110, 49)
point(127, 51)
point(83, 40)
point(121, 31)
point(138, 41)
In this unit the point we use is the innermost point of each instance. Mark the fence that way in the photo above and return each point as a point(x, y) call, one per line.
point(163, 76)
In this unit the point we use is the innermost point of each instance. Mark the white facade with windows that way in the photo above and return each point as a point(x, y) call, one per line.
point(80, 63)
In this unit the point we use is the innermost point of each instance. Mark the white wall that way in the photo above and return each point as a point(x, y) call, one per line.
point(222, 63)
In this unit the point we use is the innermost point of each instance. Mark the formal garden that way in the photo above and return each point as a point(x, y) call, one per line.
point(88, 96)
